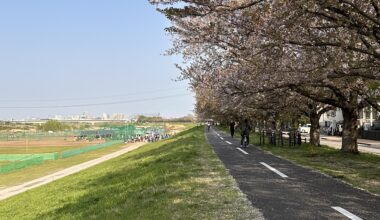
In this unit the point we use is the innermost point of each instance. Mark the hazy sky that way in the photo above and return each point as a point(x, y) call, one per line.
point(77, 52)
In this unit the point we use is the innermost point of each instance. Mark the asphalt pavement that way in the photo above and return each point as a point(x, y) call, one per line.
point(364, 145)
point(283, 190)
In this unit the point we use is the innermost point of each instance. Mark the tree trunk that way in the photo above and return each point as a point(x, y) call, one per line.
point(295, 124)
point(350, 131)
point(314, 129)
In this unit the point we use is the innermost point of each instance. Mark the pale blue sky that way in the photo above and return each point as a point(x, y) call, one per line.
point(72, 50)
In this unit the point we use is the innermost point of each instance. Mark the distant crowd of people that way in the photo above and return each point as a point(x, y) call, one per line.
point(151, 137)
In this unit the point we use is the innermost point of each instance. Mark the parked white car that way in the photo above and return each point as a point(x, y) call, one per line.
point(305, 128)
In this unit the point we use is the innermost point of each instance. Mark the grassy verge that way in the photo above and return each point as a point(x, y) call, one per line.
point(177, 178)
point(51, 166)
point(359, 170)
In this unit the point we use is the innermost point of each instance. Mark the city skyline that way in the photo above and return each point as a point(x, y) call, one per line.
point(91, 116)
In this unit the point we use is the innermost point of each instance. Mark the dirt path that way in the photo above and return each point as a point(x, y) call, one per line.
point(14, 190)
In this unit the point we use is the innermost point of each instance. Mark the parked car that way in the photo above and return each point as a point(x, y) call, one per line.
point(376, 125)
point(305, 128)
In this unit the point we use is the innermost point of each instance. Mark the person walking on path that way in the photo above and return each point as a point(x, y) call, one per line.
point(245, 129)
point(232, 128)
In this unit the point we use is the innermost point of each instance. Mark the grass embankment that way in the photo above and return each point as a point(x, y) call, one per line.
point(180, 177)
point(362, 170)
point(51, 166)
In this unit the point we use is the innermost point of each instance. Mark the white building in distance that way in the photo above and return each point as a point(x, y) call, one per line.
point(334, 118)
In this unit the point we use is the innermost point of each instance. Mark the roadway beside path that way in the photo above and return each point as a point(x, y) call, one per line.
point(11, 191)
point(283, 190)
point(364, 145)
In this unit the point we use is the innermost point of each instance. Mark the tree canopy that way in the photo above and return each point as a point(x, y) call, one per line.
point(265, 58)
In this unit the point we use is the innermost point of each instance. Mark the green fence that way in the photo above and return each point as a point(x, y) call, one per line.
point(16, 157)
point(28, 135)
point(131, 131)
point(110, 133)
point(114, 135)
point(82, 150)
point(21, 164)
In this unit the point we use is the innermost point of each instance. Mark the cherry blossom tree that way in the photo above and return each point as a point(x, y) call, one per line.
point(247, 55)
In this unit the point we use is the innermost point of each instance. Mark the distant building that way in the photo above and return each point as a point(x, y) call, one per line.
point(105, 116)
point(75, 117)
point(333, 118)
point(367, 116)
point(85, 116)
point(58, 117)
point(118, 116)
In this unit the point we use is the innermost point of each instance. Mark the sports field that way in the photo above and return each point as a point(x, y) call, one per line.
point(16, 144)
point(44, 145)
point(20, 176)
point(40, 144)
point(51, 144)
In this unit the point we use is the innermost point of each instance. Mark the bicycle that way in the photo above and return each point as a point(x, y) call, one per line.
point(245, 141)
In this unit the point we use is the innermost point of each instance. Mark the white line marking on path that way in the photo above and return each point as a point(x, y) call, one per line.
point(274, 170)
point(228, 142)
point(221, 138)
point(346, 213)
point(241, 150)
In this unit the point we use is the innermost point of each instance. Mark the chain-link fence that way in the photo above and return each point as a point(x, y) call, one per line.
point(111, 135)
point(19, 135)
point(17, 157)
point(70, 153)
point(26, 162)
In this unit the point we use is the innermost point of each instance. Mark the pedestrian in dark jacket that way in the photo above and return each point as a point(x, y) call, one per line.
point(232, 128)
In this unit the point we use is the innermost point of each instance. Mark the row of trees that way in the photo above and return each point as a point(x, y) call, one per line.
point(54, 125)
point(143, 118)
point(278, 60)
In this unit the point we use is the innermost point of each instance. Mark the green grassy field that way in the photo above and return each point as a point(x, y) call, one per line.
point(177, 178)
point(361, 170)
point(51, 166)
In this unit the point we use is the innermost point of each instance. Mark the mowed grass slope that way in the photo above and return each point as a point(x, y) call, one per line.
point(178, 178)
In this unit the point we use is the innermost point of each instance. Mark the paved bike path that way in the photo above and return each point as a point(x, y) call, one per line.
point(283, 190)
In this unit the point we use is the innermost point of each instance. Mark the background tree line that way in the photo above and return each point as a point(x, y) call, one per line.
point(143, 118)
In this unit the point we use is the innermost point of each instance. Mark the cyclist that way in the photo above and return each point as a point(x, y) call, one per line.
point(245, 129)
point(208, 126)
